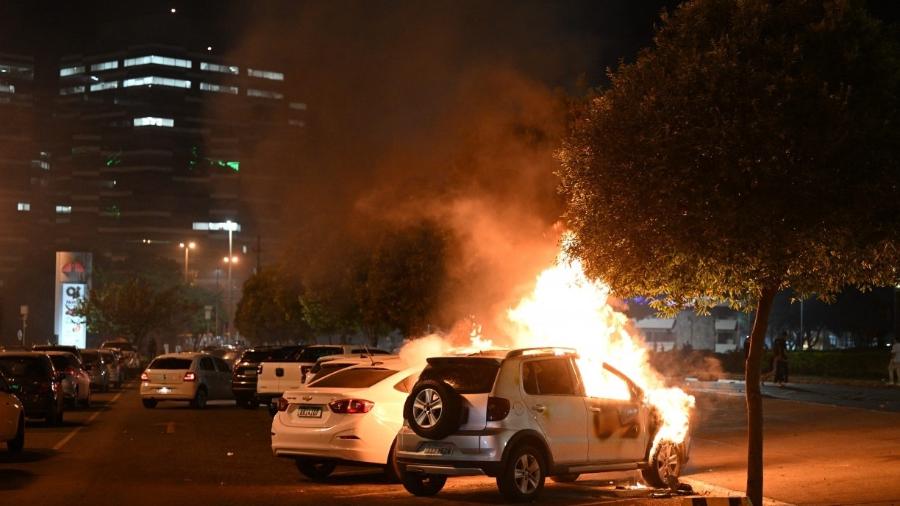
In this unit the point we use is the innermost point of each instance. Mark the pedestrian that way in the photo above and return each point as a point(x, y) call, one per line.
point(894, 364)
point(779, 360)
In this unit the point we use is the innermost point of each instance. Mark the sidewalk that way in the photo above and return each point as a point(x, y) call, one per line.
point(880, 398)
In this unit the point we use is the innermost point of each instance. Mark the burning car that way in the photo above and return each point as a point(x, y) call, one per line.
point(526, 414)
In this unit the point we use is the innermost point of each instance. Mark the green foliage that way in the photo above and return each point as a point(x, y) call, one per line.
point(270, 310)
point(754, 146)
point(855, 364)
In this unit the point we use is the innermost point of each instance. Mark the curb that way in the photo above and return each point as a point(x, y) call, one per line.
point(717, 501)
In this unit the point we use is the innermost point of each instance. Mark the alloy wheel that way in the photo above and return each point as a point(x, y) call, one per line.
point(427, 408)
point(527, 473)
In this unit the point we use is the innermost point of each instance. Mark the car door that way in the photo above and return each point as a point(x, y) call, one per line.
point(210, 377)
point(223, 377)
point(9, 415)
point(618, 421)
point(555, 399)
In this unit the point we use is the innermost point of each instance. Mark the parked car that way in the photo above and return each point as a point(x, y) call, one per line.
point(352, 415)
point(131, 359)
point(244, 376)
point(74, 350)
point(114, 369)
point(275, 378)
point(95, 364)
point(523, 415)
point(76, 382)
point(33, 379)
point(12, 418)
point(333, 363)
point(192, 377)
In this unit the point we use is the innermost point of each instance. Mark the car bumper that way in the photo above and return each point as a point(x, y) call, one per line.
point(161, 392)
point(343, 442)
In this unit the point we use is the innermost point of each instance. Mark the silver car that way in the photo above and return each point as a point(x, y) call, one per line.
point(95, 364)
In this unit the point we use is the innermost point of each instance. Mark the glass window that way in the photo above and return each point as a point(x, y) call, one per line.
point(7, 88)
point(63, 209)
point(71, 71)
point(221, 365)
point(105, 86)
point(265, 74)
point(170, 363)
point(465, 375)
point(218, 88)
point(26, 368)
point(23, 207)
point(264, 94)
point(4, 386)
point(206, 364)
point(156, 80)
point(153, 121)
point(300, 106)
point(17, 71)
point(71, 90)
point(548, 377)
point(157, 60)
point(361, 377)
point(215, 67)
point(107, 65)
point(315, 353)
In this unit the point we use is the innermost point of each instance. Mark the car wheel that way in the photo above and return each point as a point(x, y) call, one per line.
point(16, 444)
point(423, 485)
point(664, 466)
point(86, 402)
point(149, 403)
point(315, 470)
point(433, 409)
point(565, 478)
point(392, 471)
point(522, 477)
point(199, 401)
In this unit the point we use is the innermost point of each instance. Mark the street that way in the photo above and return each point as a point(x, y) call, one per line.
point(120, 453)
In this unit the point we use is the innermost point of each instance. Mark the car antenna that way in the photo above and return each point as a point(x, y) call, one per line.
point(369, 353)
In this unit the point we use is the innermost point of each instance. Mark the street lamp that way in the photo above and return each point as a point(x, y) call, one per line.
point(230, 260)
point(187, 247)
point(231, 227)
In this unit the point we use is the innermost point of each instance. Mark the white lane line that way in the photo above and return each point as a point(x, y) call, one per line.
point(76, 430)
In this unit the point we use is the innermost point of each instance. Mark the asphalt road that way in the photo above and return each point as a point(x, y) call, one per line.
point(119, 453)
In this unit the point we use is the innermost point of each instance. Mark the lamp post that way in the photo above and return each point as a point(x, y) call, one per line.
point(231, 227)
point(187, 247)
point(230, 260)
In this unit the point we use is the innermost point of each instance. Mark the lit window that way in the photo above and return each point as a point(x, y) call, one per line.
point(153, 121)
point(296, 123)
point(215, 67)
point(40, 164)
point(263, 93)
point(265, 74)
point(23, 207)
point(17, 71)
point(300, 106)
point(157, 60)
point(71, 90)
point(160, 81)
point(71, 71)
point(107, 65)
point(63, 209)
point(221, 89)
point(105, 86)
point(7, 88)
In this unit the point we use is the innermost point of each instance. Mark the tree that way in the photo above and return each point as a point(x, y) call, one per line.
point(751, 149)
point(270, 310)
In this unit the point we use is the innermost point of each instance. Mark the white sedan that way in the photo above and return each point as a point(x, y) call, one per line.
point(350, 416)
point(12, 418)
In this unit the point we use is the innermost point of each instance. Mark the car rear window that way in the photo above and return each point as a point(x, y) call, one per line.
point(171, 363)
point(313, 354)
point(328, 368)
point(89, 357)
point(62, 361)
point(28, 368)
point(465, 375)
point(354, 378)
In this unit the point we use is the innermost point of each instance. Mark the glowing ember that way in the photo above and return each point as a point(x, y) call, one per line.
point(566, 309)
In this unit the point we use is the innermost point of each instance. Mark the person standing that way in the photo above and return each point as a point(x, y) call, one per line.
point(894, 364)
point(779, 361)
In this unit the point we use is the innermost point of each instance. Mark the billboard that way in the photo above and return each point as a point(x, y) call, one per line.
point(73, 282)
point(72, 331)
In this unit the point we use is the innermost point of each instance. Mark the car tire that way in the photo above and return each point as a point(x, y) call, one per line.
point(314, 469)
point(86, 403)
point(200, 398)
point(522, 477)
point(664, 466)
point(566, 478)
point(16, 444)
point(433, 409)
point(423, 485)
point(392, 470)
point(149, 403)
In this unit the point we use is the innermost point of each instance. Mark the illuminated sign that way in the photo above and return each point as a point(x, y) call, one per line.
point(72, 331)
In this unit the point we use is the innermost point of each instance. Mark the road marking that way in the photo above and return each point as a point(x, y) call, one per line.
point(76, 430)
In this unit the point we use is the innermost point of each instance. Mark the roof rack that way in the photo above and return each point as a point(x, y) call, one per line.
point(547, 350)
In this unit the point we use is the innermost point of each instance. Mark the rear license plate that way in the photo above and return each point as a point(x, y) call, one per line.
point(249, 372)
point(309, 412)
point(437, 450)
point(163, 390)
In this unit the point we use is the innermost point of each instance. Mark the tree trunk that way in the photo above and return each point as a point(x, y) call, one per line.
point(754, 397)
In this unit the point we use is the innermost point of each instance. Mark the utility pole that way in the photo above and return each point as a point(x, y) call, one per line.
point(258, 253)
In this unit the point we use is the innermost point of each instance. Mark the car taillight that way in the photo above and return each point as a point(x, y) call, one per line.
point(145, 376)
point(350, 406)
point(282, 404)
point(259, 369)
point(189, 376)
point(497, 409)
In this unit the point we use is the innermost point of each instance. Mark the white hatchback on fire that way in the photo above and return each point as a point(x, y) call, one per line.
point(350, 416)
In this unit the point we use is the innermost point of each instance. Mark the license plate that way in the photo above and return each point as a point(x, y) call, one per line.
point(309, 412)
point(163, 390)
point(437, 450)
point(249, 372)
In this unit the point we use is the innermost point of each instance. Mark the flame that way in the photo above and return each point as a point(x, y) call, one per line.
point(567, 309)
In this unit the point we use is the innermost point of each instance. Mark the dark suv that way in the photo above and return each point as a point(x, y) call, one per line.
point(36, 383)
point(243, 377)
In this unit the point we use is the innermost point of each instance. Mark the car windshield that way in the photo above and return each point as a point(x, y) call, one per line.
point(171, 363)
point(466, 375)
point(273, 355)
point(25, 368)
point(362, 377)
point(315, 353)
